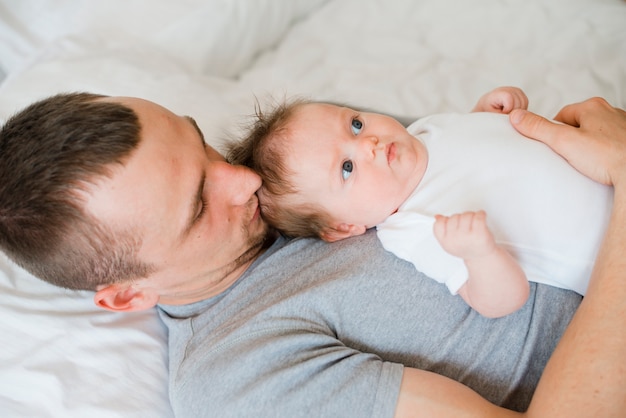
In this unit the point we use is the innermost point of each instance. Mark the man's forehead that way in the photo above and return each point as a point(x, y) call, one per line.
point(127, 100)
point(143, 108)
point(158, 121)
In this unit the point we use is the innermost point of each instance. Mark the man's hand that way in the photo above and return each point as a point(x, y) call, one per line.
point(502, 100)
point(591, 137)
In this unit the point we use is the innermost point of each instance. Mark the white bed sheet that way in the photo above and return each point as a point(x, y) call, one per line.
point(61, 356)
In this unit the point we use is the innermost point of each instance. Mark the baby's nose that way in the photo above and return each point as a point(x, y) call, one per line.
point(370, 145)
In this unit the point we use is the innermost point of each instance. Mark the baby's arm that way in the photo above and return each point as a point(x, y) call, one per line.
point(502, 100)
point(496, 285)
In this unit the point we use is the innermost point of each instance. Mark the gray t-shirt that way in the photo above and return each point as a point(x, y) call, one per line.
point(323, 330)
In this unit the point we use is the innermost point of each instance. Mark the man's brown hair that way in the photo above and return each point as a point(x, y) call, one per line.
point(49, 153)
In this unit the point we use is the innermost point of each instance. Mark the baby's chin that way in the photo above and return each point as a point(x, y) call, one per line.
point(379, 219)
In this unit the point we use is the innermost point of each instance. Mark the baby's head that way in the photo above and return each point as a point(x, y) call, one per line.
point(329, 171)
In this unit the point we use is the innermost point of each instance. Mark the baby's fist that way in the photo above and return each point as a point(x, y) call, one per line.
point(502, 100)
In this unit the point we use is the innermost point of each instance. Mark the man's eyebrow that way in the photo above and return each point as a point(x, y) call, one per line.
point(196, 127)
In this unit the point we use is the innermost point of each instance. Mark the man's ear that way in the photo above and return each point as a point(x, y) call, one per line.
point(125, 298)
point(341, 231)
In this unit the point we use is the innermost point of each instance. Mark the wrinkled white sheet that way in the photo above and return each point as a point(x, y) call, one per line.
point(61, 356)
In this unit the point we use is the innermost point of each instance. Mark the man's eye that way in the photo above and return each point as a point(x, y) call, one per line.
point(346, 169)
point(356, 126)
point(202, 210)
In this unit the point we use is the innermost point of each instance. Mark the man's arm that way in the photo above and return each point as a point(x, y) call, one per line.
point(427, 394)
point(586, 375)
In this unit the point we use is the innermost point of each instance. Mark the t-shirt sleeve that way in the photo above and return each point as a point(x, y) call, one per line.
point(281, 373)
point(410, 236)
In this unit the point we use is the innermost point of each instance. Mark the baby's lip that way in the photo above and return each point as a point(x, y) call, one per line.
point(390, 151)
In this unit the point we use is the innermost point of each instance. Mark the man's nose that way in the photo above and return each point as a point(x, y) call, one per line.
point(237, 182)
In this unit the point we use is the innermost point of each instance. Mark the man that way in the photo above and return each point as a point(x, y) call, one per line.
point(263, 326)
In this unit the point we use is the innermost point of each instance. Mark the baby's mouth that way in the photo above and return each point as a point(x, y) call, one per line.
point(390, 150)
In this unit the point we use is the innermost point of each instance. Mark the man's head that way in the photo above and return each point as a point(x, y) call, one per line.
point(328, 170)
point(49, 155)
point(167, 202)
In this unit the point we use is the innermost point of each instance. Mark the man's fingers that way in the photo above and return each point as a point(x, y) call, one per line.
point(569, 115)
point(535, 126)
point(586, 141)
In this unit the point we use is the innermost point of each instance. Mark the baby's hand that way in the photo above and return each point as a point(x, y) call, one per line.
point(502, 100)
point(464, 235)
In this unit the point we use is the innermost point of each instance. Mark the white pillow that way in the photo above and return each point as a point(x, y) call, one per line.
point(217, 37)
point(61, 356)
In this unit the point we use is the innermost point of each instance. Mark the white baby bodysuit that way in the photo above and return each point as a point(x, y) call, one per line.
point(547, 214)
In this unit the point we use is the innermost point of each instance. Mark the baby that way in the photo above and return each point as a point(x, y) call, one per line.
point(333, 172)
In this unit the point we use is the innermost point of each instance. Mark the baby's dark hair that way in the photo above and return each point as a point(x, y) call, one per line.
point(264, 150)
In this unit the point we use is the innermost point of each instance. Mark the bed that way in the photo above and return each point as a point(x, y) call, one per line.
point(211, 59)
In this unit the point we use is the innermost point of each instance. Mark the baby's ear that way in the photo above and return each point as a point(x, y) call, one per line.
point(341, 231)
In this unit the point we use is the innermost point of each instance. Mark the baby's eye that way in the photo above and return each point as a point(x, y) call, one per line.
point(357, 125)
point(346, 169)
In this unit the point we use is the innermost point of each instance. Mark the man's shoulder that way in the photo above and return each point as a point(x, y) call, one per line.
point(362, 249)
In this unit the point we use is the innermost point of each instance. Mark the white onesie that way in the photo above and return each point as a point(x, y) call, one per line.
point(548, 215)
